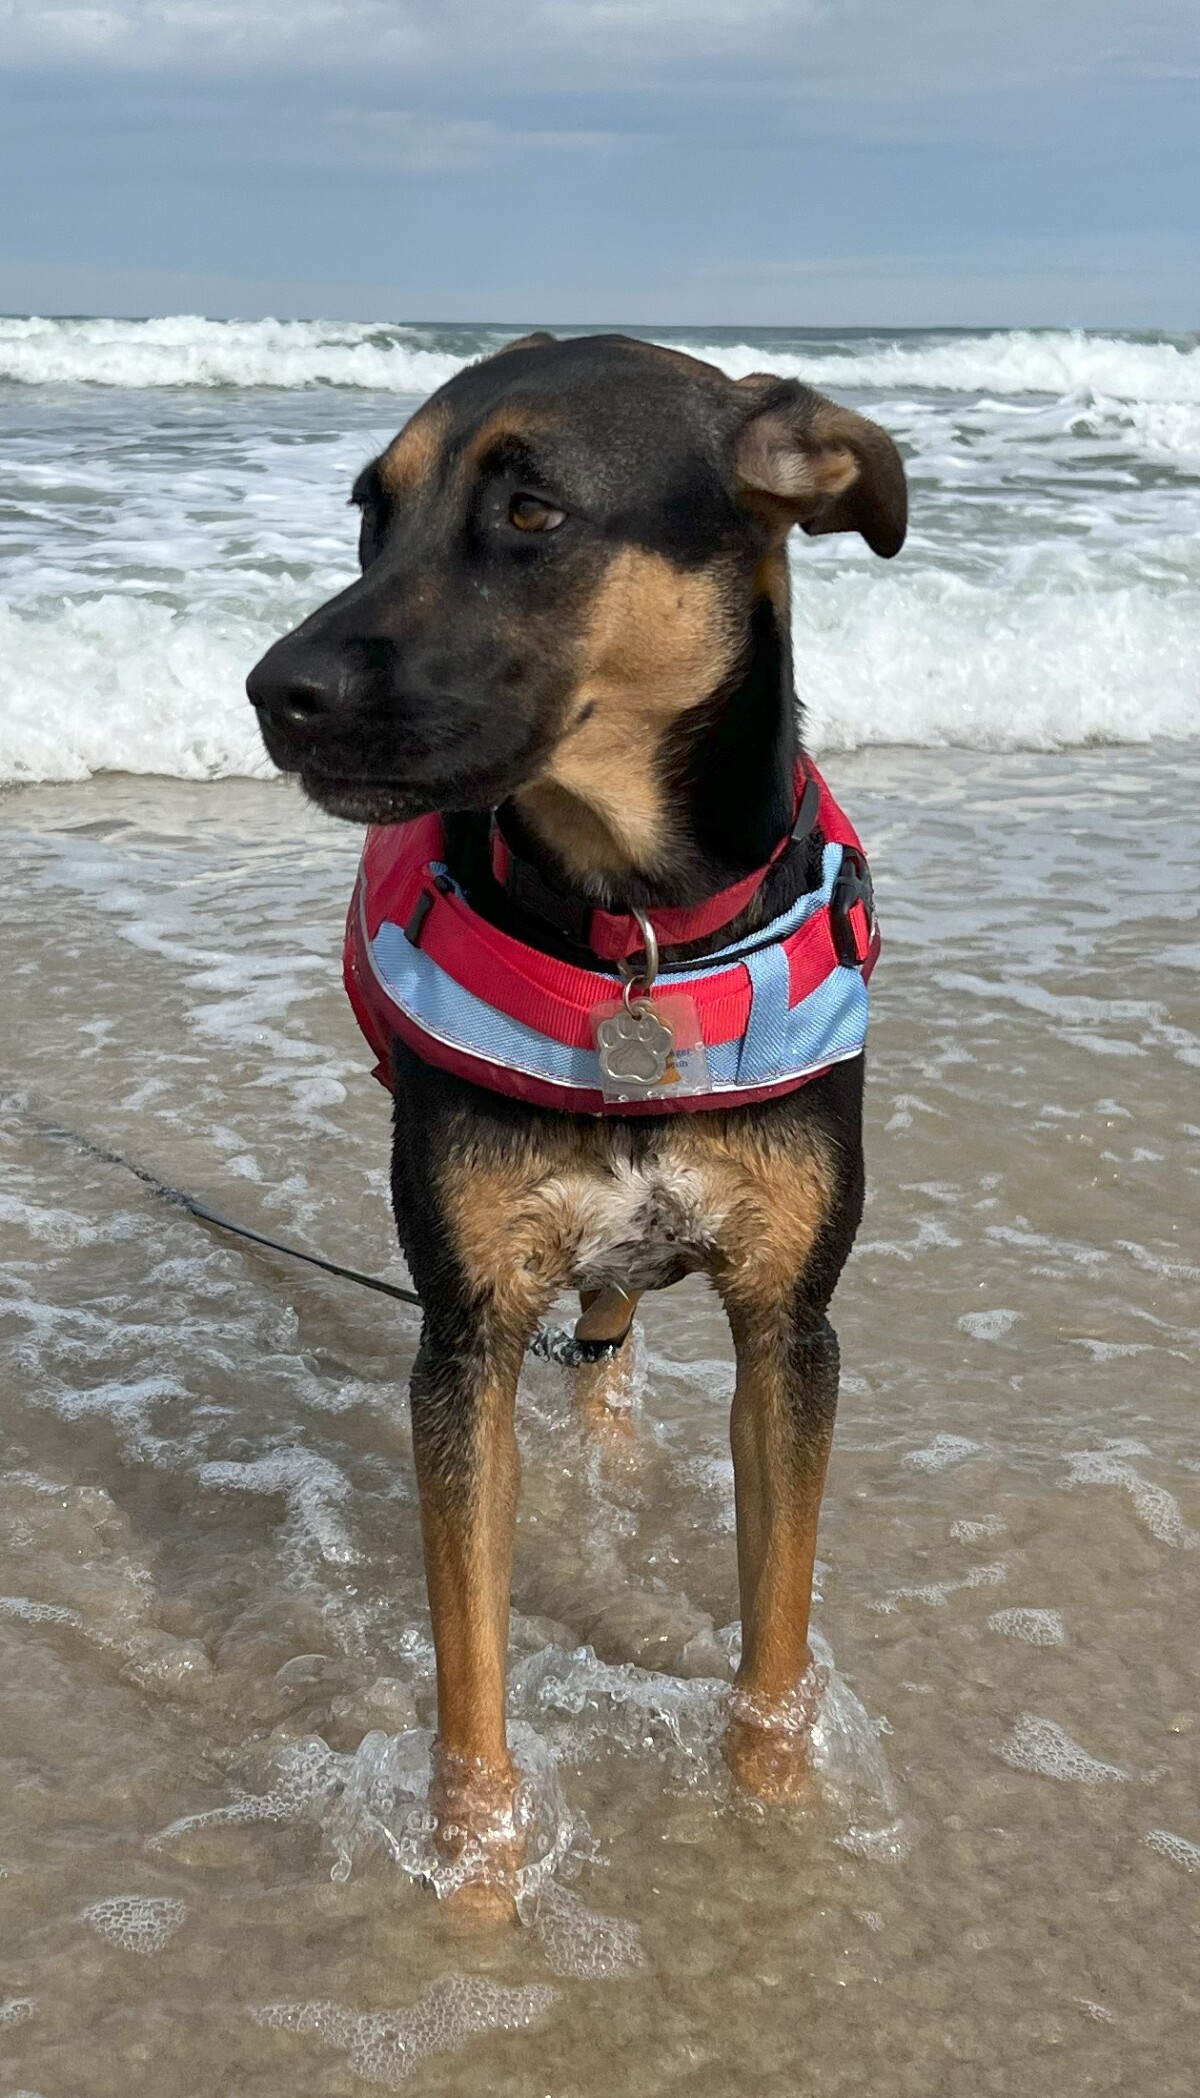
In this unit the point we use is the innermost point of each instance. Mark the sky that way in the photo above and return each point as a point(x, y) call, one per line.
point(725, 162)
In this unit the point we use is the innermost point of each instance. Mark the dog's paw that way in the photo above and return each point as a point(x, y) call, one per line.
point(478, 1836)
point(767, 1740)
point(482, 1905)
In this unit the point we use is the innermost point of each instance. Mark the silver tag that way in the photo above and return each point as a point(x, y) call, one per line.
point(634, 1048)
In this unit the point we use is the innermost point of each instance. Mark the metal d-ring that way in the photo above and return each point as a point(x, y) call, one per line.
point(639, 981)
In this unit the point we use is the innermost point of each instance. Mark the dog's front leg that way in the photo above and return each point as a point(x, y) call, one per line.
point(781, 1429)
point(464, 1442)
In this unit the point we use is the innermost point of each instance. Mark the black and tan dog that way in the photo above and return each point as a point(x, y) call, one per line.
point(574, 608)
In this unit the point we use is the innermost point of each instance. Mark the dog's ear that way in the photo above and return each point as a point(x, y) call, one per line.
point(536, 341)
point(820, 466)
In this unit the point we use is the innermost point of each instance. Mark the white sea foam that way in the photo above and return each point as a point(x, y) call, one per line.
point(1045, 1749)
point(153, 546)
point(140, 1923)
point(189, 350)
point(943, 1452)
point(1007, 361)
point(384, 2047)
point(932, 657)
point(562, 1707)
point(987, 1325)
point(973, 1529)
point(1156, 1508)
point(118, 683)
point(1177, 1848)
point(1032, 1627)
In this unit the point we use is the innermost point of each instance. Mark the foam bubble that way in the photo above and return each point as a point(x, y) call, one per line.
point(973, 1529)
point(303, 1777)
point(1033, 1627)
point(310, 1486)
point(27, 1612)
point(383, 1800)
point(384, 2047)
point(17, 2010)
point(576, 1700)
point(1177, 1848)
point(140, 1923)
point(579, 1942)
point(935, 1594)
point(987, 1325)
point(1154, 1506)
point(377, 1799)
point(941, 1453)
point(1045, 1749)
point(850, 1764)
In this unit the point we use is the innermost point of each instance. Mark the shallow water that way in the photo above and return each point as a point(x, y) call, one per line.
point(213, 1638)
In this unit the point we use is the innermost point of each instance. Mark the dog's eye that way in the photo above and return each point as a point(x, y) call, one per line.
point(530, 514)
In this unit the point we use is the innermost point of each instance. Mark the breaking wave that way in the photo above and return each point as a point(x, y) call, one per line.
point(120, 685)
point(189, 350)
point(156, 542)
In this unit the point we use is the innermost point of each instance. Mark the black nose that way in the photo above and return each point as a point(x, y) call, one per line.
point(294, 686)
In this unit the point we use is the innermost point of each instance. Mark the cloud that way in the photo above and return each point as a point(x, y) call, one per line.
point(423, 142)
point(354, 33)
point(849, 48)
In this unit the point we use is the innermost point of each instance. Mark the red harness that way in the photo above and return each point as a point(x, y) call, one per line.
point(422, 965)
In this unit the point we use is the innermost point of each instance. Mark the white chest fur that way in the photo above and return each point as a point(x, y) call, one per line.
point(636, 1224)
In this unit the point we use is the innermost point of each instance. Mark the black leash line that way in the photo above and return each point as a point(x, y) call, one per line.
point(179, 1199)
point(553, 1346)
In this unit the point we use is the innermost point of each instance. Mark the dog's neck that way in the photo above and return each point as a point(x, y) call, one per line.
point(701, 806)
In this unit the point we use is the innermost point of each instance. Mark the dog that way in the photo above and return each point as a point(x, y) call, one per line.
point(572, 622)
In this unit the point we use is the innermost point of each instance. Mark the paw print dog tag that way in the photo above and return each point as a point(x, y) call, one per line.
point(649, 1046)
point(634, 1047)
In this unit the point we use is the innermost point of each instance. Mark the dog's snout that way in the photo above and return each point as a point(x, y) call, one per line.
point(294, 686)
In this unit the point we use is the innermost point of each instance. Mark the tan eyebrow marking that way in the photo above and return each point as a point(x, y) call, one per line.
point(512, 420)
point(414, 456)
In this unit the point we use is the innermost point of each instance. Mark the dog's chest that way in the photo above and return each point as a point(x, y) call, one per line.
point(640, 1226)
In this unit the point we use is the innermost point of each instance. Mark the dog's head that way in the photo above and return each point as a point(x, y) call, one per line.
point(561, 555)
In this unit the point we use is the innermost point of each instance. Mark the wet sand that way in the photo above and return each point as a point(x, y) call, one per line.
point(210, 1588)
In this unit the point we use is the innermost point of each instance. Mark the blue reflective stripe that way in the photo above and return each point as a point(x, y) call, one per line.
point(765, 1042)
point(780, 1043)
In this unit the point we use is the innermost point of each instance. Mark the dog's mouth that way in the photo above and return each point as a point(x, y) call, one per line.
point(365, 797)
point(364, 800)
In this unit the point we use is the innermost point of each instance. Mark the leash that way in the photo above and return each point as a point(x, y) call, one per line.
point(551, 1345)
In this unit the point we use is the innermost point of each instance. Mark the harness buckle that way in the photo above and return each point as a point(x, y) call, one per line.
point(852, 910)
point(415, 924)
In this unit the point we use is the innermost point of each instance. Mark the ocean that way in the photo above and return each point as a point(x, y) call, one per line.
point(175, 497)
point(216, 1678)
